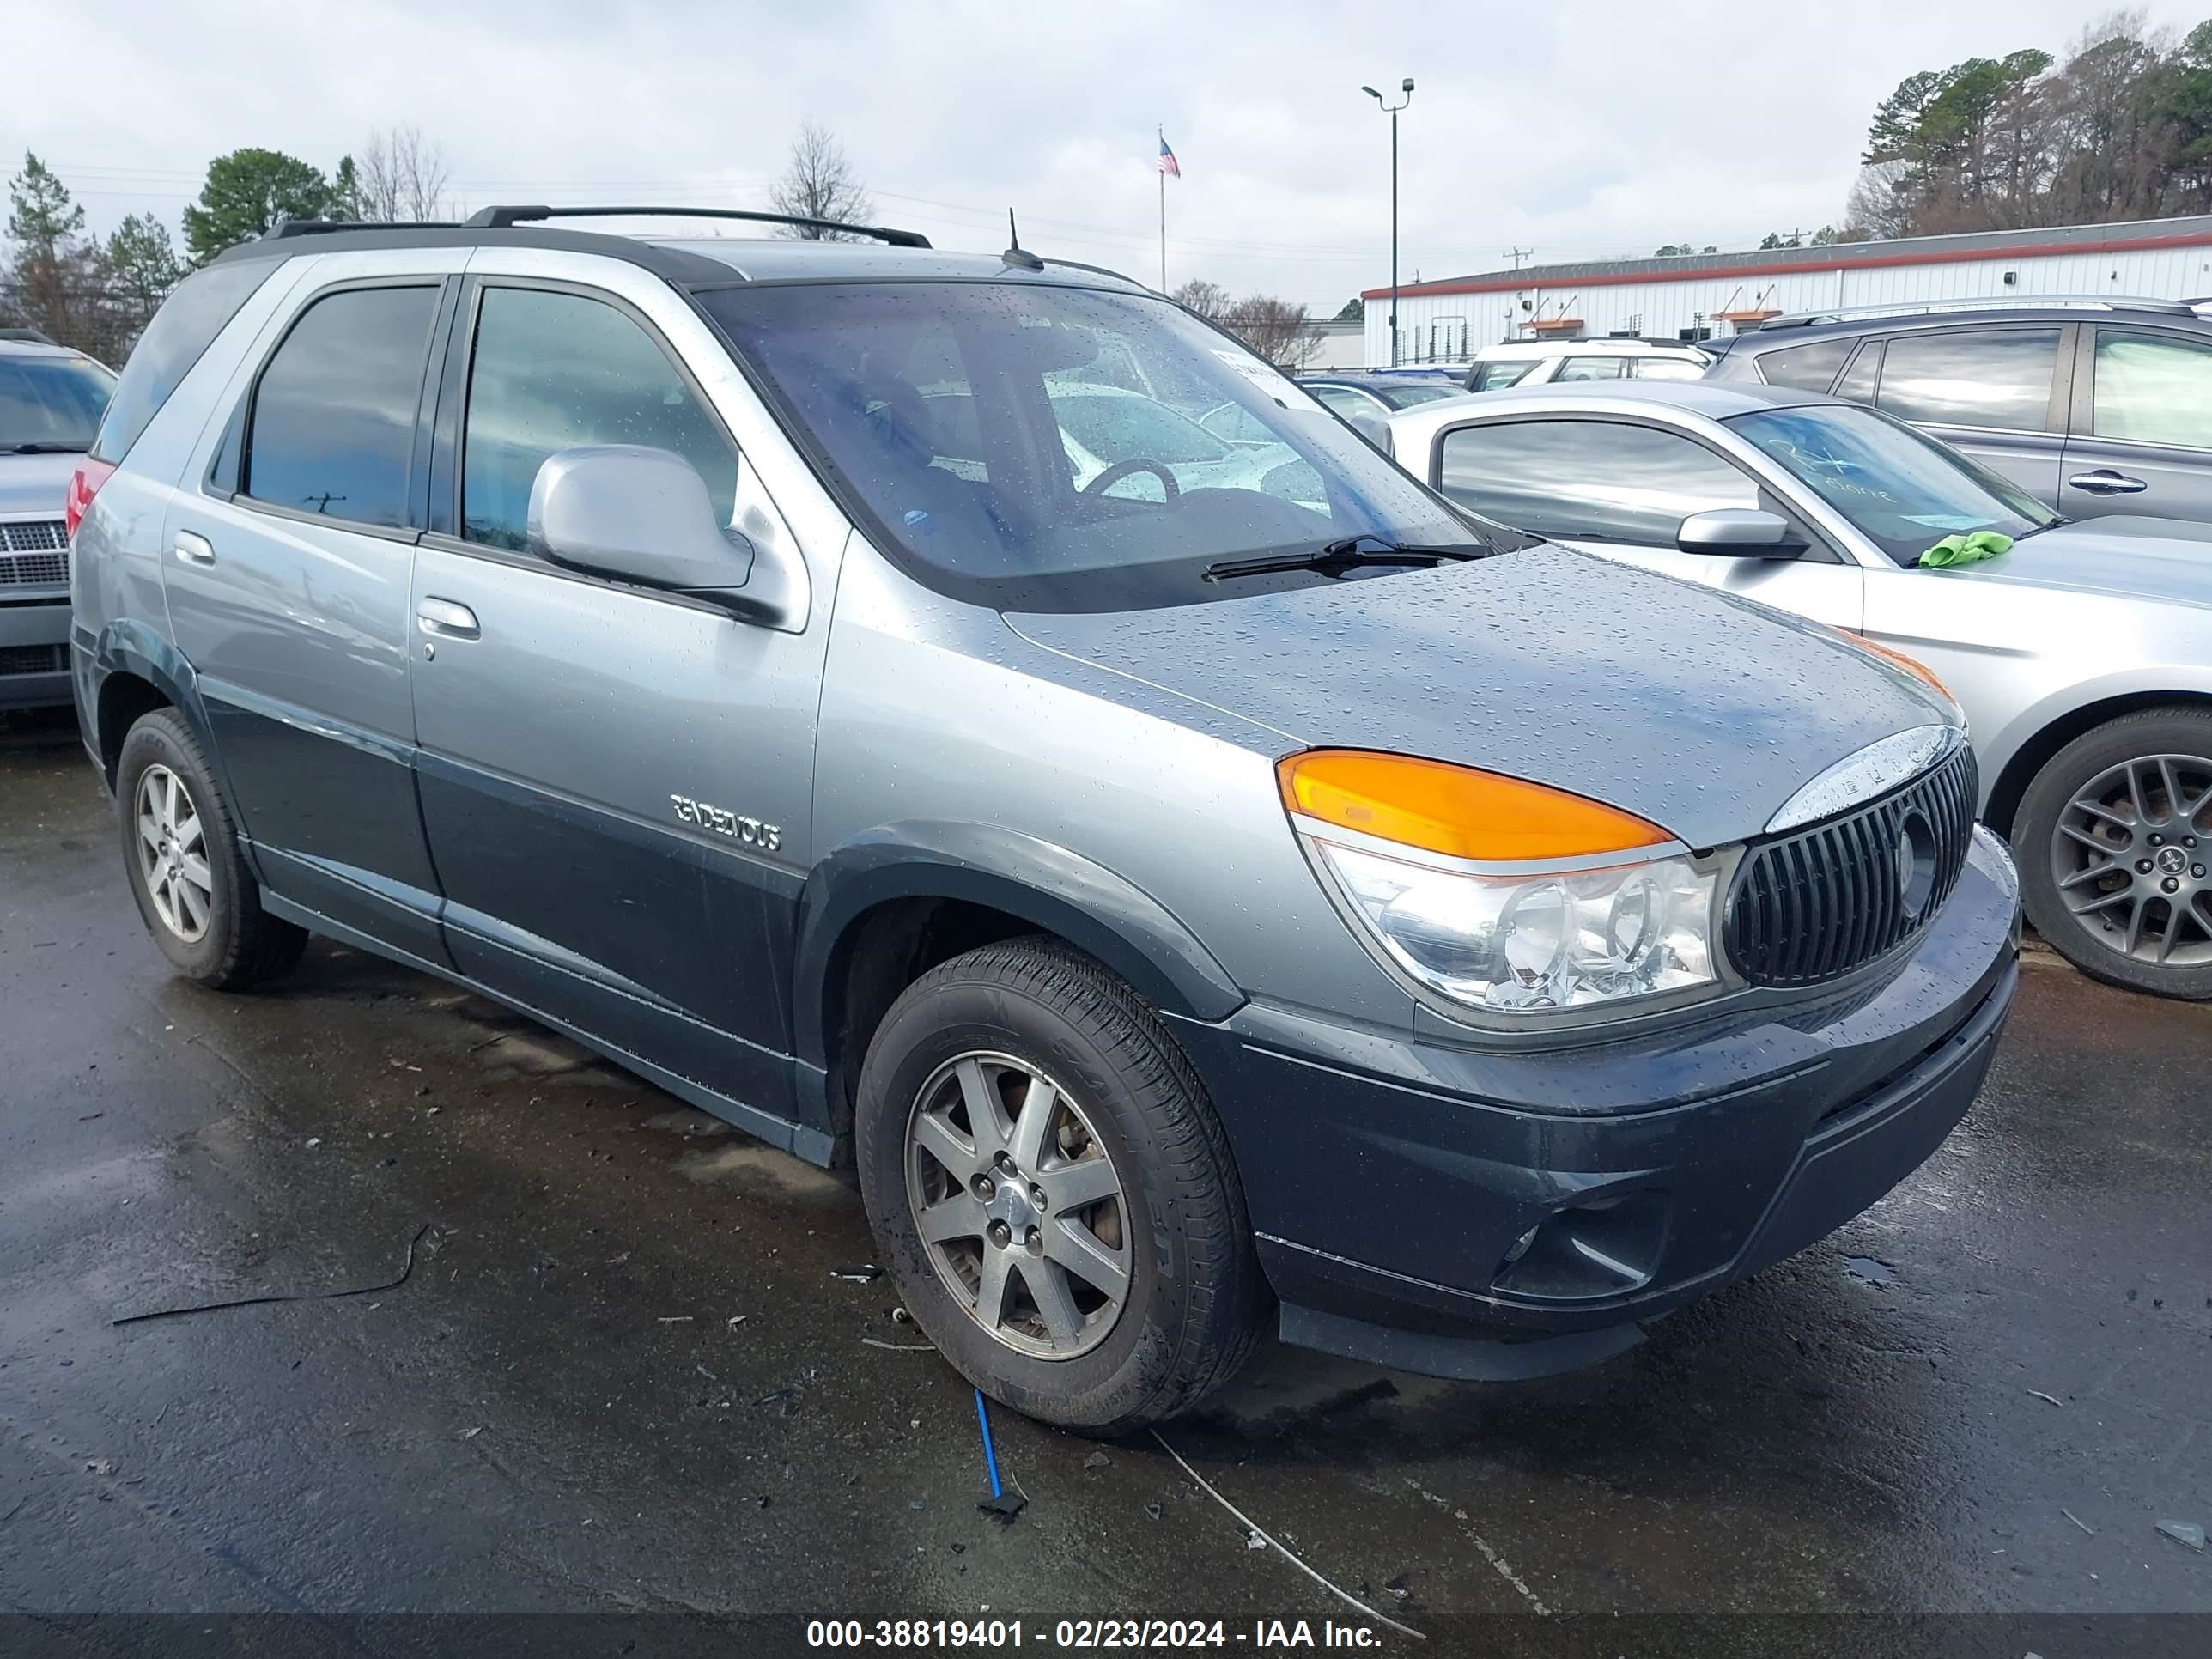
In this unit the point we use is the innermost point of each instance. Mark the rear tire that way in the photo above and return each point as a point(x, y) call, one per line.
point(1131, 1167)
point(2114, 839)
point(199, 900)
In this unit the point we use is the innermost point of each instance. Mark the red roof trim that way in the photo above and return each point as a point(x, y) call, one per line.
point(1843, 262)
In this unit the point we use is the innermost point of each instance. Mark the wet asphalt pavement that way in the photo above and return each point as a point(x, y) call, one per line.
point(623, 1375)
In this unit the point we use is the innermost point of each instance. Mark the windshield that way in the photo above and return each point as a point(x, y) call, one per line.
point(50, 403)
point(1902, 490)
point(1405, 396)
point(1034, 446)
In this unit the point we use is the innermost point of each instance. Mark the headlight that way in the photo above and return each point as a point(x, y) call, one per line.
point(1505, 895)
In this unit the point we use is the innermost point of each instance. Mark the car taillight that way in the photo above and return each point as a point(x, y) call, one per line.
point(84, 484)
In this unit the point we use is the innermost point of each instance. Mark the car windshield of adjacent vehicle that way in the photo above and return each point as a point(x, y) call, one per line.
point(51, 406)
point(1406, 396)
point(1904, 491)
point(1039, 446)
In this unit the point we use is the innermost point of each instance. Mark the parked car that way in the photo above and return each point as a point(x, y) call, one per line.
point(1377, 390)
point(1539, 362)
point(50, 401)
point(1182, 911)
point(2083, 657)
point(1103, 426)
point(2092, 406)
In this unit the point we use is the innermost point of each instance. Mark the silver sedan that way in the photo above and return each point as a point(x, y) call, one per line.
point(2082, 655)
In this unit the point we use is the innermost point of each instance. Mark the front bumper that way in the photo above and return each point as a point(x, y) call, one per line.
point(1390, 1182)
point(34, 653)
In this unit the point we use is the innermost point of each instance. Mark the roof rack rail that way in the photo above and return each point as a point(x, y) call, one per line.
point(1993, 302)
point(500, 218)
point(285, 227)
point(1096, 271)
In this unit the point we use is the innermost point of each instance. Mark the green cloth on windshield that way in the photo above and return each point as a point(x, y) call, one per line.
point(1965, 549)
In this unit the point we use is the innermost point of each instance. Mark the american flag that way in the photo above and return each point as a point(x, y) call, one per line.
point(1168, 162)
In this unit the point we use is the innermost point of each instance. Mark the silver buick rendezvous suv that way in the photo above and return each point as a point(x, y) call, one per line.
point(1193, 896)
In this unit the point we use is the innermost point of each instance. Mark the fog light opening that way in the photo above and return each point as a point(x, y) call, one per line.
point(1603, 1247)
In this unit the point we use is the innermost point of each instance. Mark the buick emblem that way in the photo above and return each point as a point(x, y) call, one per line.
point(1916, 864)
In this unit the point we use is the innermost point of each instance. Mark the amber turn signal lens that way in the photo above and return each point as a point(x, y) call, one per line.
point(1913, 666)
point(1454, 810)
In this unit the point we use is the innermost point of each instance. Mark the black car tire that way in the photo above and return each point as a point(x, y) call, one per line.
point(242, 943)
point(1197, 1301)
point(2039, 843)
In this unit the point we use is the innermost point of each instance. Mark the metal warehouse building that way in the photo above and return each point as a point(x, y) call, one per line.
point(1693, 296)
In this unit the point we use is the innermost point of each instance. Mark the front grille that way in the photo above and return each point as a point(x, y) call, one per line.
point(1825, 900)
point(37, 536)
point(33, 658)
point(34, 555)
point(34, 570)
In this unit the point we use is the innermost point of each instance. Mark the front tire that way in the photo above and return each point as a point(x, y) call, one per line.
point(198, 899)
point(2114, 838)
point(1052, 1191)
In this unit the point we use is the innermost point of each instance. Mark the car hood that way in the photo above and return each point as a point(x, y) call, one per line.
point(2166, 560)
point(35, 483)
point(1698, 711)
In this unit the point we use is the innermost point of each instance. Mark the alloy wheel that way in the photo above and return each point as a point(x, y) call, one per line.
point(172, 854)
point(2132, 858)
point(1018, 1206)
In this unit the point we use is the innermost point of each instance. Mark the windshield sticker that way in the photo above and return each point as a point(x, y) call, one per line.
point(1945, 520)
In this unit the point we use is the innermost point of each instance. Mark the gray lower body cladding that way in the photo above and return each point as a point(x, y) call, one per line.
point(1409, 1215)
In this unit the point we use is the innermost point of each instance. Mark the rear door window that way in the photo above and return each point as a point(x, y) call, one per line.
point(333, 429)
point(1495, 376)
point(1346, 402)
point(1859, 379)
point(553, 370)
point(1602, 481)
point(1982, 377)
point(182, 329)
point(1669, 368)
point(1592, 368)
point(2153, 388)
point(1809, 367)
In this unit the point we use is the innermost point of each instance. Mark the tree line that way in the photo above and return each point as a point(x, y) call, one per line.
point(97, 295)
point(2120, 129)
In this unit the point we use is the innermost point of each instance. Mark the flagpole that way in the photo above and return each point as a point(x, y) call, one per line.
point(1163, 133)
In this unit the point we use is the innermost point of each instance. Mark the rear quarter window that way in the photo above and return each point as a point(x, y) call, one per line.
point(1809, 367)
point(186, 326)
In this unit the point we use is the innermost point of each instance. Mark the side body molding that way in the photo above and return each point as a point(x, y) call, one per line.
point(1063, 893)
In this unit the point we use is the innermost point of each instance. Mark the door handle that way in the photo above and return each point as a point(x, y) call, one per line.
point(443, 619)
point(2106, 482)
point(194, 549)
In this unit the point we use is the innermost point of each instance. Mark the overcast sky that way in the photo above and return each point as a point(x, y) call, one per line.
point(1578, 130)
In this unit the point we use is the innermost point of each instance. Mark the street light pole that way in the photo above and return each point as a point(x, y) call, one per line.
point(1406, 87)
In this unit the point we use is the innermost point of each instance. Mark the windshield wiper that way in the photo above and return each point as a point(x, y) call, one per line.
point(1338, 558)
point(41, 447)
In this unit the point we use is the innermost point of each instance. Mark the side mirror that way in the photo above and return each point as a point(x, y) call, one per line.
point(639, 515)
point(1739, 532)
point(1372, 427)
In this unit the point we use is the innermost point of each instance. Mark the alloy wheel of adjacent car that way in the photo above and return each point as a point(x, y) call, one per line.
point(2116, 839)
point(2131, 852)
